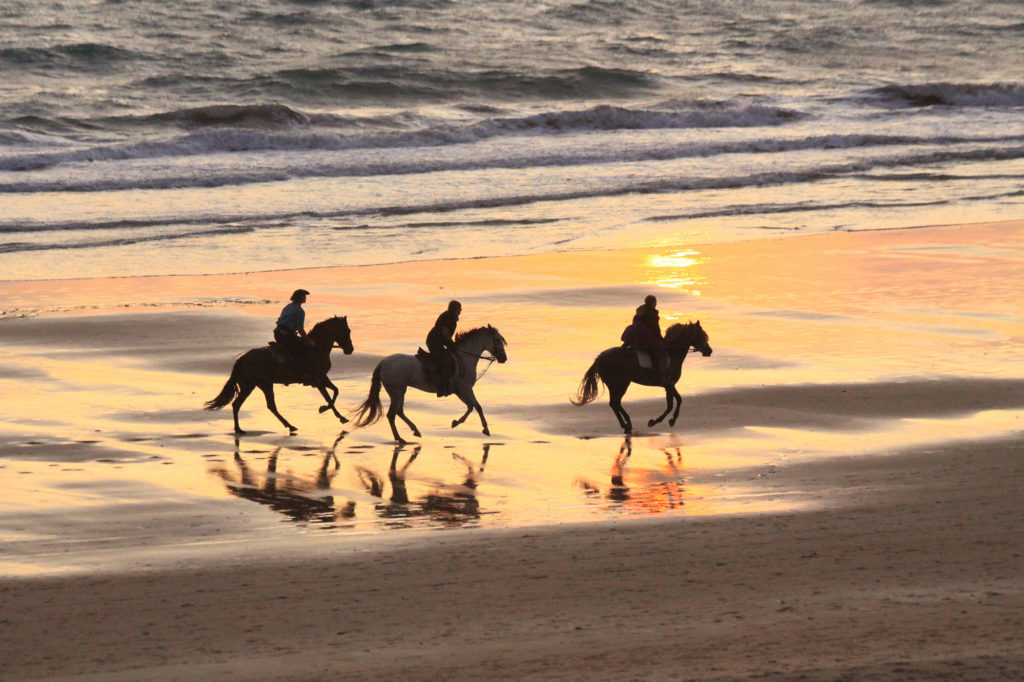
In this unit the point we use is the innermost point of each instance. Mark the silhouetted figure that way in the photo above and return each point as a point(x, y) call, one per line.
point(290, 332)
point(644, 334)
point(439, 342)
point(648, 315)
point(618, 367)
point(262, 368)
point(397, 373)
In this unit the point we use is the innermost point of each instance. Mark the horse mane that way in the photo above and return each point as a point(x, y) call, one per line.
point(462, 337)
point(323, 323)
point(676, 331)
point(676, 328)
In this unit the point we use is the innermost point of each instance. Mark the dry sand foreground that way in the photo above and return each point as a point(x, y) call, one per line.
point(915, 574)
point(891, 362)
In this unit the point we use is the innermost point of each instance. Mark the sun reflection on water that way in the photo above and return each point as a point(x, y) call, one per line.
point(678, 271)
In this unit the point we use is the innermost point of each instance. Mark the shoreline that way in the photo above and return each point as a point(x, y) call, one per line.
point(751, 239)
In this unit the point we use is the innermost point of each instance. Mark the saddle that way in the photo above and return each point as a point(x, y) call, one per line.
point(278, 353)
point(302, 368)
point(430, 369)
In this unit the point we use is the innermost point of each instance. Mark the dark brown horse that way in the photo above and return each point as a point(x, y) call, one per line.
point(618, 367)
point(261, 368)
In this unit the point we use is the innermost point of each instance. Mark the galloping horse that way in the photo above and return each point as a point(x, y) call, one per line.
point(257, 368)
point(399, 372)
point(617, 367)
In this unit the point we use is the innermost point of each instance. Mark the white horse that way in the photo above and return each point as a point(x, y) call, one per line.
point(398, 372)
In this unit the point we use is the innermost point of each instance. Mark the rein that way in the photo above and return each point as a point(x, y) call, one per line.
point(479, 356)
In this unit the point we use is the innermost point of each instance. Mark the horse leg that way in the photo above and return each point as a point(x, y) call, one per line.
point(268, 391)
point(615, 393)
point(679, 403)
point(669, 401)
point(397, 409)
point(330, 401)
point(244, 389)
point(469, 398)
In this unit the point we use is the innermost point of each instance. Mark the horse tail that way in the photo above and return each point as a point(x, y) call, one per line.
point(227, 394)
point(588, 387)
point(370, 411)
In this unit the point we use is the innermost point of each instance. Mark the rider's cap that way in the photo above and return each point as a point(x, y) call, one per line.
point(299, 292)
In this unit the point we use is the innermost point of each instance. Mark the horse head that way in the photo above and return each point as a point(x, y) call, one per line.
point(682, 337)
point(334, 331)
point(498, 344)
point(484, 339)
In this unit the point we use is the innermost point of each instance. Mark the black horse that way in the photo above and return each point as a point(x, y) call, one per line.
point(260, 368)
point(618, 367)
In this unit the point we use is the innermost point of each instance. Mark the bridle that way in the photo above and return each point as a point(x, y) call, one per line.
point(489, 359)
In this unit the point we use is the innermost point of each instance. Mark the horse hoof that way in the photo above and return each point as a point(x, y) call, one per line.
point(292, 429)
point(487, 432)
point(651, 422)
point(324, 408)
point(417, 434)
point(455, 422)
point(671, 422)
point(343, 420)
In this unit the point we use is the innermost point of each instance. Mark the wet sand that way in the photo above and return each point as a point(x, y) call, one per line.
point(840, 497)
point(912, 573)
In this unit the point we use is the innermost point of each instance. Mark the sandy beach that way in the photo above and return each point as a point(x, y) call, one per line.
point(840, 498)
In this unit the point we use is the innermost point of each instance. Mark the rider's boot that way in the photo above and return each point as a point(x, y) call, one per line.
point(660, 365)
point(441, 379)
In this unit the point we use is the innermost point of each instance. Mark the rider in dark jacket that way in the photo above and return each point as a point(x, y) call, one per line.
point(439, 342)
point(645, 335)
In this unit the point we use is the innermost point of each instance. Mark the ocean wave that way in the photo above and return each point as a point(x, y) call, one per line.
point(949, 95)
point(80, 56)
point(799, 175)
point(384, 80)
point(256, 115)
point(232, 140)
point(17, 247)
point(607, 117)
point(229, 128)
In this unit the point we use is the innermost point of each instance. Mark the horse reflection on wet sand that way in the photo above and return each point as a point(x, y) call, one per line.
point(297, 498)
point(655, 496)
point(618, 367)
point(314, 500)
point(451, 505)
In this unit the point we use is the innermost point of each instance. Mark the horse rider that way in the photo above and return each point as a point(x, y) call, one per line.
point(440, 341)
point(290, 332)
point(646, 335)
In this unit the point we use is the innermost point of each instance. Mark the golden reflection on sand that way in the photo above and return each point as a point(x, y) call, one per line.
point(679, 271)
